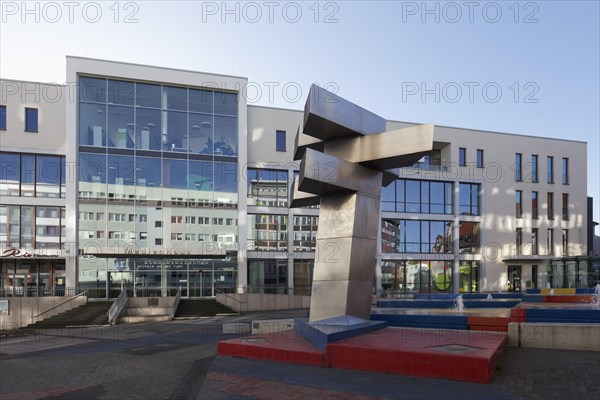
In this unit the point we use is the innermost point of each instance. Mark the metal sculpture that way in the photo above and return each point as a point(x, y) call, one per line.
point(347, 155)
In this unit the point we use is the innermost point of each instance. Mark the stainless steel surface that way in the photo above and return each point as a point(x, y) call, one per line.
point(346, 158)
point(328, 116)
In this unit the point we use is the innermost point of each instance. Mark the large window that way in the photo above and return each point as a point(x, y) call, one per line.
point(267, 232)
point(413, 236)
point(413, 196)
point(550, 201)
point(469, 242)
point(565, 171)
point(462, 156)
point(280, 141)
point(469, 199)
point(2, 118)
point(518, 167)
point(565, 206)
point(267, 187)
point(32, 175)
point(127, 115)
point(519, 203)
point(268, 276)
point(32, 227)
point(305, 232)
point(469, 276)
point(31, 119)
point(419, 276)
point(534, 205)
point(550, 169)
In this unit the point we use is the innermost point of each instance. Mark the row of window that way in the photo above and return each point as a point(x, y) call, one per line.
point(144, 116)
point(534, 247)
point(32, 175)
point(32, 227)
point(175, 237)
point(143, 218)
point(531, 169)
point(462, 157)
point(31, 119)
point(535, 205)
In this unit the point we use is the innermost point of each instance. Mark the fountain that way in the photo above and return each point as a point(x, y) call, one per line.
point(489, 296)
point(459, 305)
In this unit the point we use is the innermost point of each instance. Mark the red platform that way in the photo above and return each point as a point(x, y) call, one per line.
point(452, 354)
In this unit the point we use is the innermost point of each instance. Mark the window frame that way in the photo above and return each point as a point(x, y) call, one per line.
point(480, 158)
point(37, 122)
point(462, 156)
point(280, 141)
point(3, 117)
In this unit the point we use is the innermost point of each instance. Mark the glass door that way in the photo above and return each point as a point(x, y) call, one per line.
point(514, 278)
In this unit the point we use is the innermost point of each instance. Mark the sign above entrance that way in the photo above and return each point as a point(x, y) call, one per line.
point(208, 250)
point(120, 264)
point(14, 252)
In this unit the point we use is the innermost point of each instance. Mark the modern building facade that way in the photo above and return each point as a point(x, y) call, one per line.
point(167, 178)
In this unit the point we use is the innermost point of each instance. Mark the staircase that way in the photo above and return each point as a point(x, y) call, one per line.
point(91, 313)
point(201, 308)
point(146, 314)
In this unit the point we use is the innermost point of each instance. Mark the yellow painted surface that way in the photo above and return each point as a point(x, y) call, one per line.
point(559, 291)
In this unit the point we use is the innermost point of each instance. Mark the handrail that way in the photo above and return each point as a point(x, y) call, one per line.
point(60, 304)
point(117, 306)
point(176, 303)
point(240, 302)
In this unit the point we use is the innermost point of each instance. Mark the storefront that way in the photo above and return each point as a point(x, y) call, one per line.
point(33, 273)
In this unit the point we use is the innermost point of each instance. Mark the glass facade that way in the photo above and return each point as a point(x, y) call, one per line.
point(267, 232)
point(416, 276)
point(32, 227)
point(415, 196)
point(413, 236)
point(267, 187)
point(469, 199)
point(576, 272)
point(469, 242)
point(158, 169)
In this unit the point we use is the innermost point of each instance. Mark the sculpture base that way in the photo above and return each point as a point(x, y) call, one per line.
point(460, 355)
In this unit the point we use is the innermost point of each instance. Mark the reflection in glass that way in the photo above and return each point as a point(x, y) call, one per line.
point(225, 177)
point(121, 170)
point(201, 101)
point(47, 176)
point(148, 95)
point(92, 168)
point(120, 127)
point(174, 98)
point(27, 175)
point(174, 174)
point(92, 124)
point(148, 172)
point(225, 136)
point(120, 92)
point(92, 89)
point(201, 133)
point(10, 170)
point(148, 129)
point(174, 131)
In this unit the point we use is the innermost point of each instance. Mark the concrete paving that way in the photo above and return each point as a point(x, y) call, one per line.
point(177, 360)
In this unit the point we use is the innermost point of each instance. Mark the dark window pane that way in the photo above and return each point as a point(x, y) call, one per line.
point(121, 170)
point(462, 156)
point(2, 117)
point(174, 135)
point(92, 90)
point(388, 193)
point(121, 92)
point(201, 101)
point(226, 177)
point(147, 95)
point(174, 174)
point(92, 168)
point(120, 127)
point(479, 158)
point(174, 98)
point(148, 129)
point(226, 103)
point(10, 171)
point(92, 124)
point(201, 175)
point(201, 133)
point(518, 167)
point(225, 136)
point(148, 172)
point(31, 119)
point(280, 141)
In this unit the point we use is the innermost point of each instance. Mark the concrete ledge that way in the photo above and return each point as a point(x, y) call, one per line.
point(244, 302)
point(567, 336)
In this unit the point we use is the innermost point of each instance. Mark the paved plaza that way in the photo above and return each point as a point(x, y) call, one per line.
point(177, 360)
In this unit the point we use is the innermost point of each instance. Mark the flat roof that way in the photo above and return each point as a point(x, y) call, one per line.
point(157, 66)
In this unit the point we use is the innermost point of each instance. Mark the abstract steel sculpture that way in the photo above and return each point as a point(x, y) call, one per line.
point(347, 156)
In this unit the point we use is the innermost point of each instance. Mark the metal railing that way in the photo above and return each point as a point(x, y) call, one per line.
point(39, 292)
point(229, 296)
point(60, 304)
point(176, 303)
point(117, 306)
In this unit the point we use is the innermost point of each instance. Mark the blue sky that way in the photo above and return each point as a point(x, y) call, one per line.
point(543, 56)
